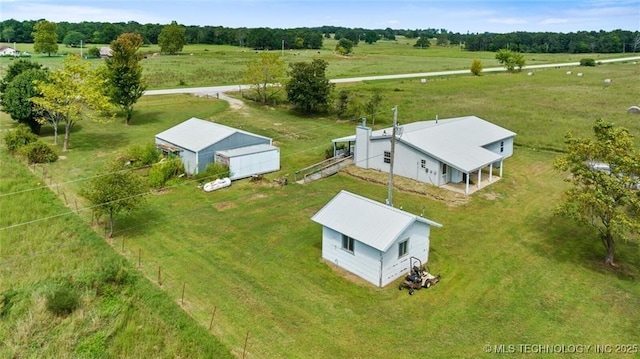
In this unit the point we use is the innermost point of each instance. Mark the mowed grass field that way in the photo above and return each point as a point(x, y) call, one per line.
point(204, 65)
point(513, 273)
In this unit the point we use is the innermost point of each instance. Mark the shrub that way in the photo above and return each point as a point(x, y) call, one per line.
point(19, 137)
point(62, 301)
point(214, 171)
point(476, 67)
point(163, 171)
point(94, 51)
point(116, 272)
point(587, 62)
point(142, 155)
point(39, 152)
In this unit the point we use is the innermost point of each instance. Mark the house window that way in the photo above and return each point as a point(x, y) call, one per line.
point(423, 163)
point(501, 146)
point(403, 248)
point(387, 157)
point(347, 243)
point(444, 168)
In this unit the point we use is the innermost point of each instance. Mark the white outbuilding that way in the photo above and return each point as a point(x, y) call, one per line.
point(370, 239)
point(199, 143)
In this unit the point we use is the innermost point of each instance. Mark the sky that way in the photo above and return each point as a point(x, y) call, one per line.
point(498, 16)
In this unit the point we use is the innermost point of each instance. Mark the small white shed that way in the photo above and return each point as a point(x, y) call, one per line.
point(370, 239)
point(248, 161)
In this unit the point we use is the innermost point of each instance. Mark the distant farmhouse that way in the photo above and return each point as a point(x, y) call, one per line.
point(199, 143)
point(370, 239)
point(8, 51)
point(438, 152)
point(105, 52)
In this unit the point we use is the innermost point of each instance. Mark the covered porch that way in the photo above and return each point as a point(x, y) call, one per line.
point(476, 180)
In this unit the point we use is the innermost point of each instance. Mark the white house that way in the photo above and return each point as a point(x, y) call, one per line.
point(8, 51)
point(105, 52)
point(438, 152)
point(198, 143)
point(372, 240)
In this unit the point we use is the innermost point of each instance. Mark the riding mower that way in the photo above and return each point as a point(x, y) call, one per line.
point(419, 277)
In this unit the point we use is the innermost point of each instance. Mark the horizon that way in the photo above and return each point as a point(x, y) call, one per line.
point(458, 16)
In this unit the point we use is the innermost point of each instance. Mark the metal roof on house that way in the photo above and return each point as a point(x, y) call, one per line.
point(372, 223)
point(457, 141)
point(195, 134)
point(242, 151)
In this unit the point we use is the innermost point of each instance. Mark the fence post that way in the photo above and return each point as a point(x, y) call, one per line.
point(159, 277)
point(182, 300)
point(244, 351)
point(212, 316)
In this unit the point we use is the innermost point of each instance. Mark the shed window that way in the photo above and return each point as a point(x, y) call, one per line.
point(501, 146)
point(347, 243)
point(423, 163)
point(403, 248)
point(444, 168)
point(387, 157)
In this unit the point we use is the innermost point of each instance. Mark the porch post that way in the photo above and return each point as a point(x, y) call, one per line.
point(501, 162)
point(490, 172)
point(466, 188)
point(479, 176)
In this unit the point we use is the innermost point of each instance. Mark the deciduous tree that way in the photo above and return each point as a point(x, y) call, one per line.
point(115, 191)
point(308, 87)
point(8, 33)
point(171, 38)
point(73, 38)
point(124, 73)
point(16, 99)
point(45, 38)
point(15, 69)
point(423, 42)
point(344, 46)
point(73, 92)
point(510, 59)
point(605, 174)
point(265, 75)
point(373, 105)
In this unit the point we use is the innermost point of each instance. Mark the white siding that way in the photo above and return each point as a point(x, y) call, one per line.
point(361, 155)
point(407, 162)
point(364, 262)
point(395, 267)
point(250, 164)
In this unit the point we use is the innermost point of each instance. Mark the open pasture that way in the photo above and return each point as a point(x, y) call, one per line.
point(206, 65)
point(513, 273)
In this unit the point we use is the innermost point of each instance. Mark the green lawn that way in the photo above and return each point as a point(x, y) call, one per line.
point(513, 273)
point(207, 65)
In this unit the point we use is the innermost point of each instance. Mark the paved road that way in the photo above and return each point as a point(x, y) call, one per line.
point(219, 91)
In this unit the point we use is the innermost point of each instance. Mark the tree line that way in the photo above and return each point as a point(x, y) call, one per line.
point(71, 34)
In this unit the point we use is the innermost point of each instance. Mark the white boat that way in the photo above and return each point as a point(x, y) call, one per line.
point(217, 184)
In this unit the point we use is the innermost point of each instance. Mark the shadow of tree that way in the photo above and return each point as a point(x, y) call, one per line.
point(566, 241)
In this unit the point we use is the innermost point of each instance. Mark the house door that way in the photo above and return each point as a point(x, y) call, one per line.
point(444, 174)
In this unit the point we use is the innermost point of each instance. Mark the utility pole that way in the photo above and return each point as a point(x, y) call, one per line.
point(393, 148)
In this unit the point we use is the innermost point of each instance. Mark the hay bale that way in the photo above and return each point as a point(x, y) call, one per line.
point(579, 74)
point(634, 110)
point(529, 73)
point(569, 72)
point(423, 81)
point(607, 81)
